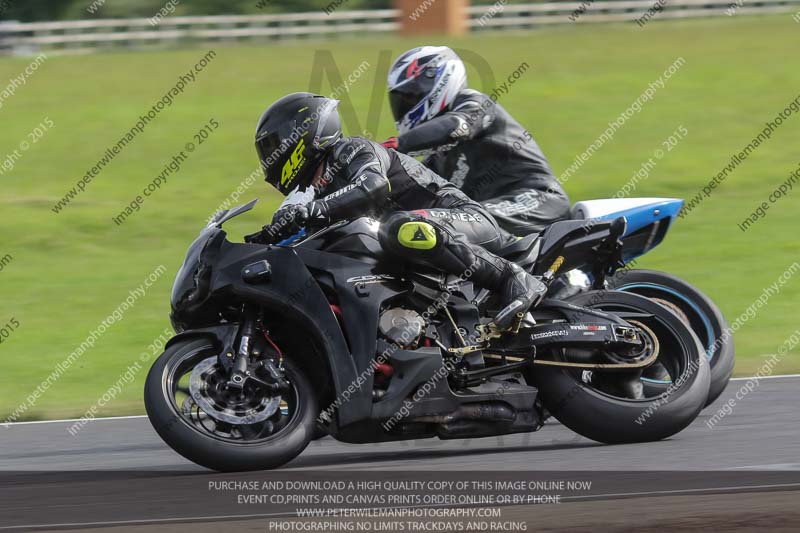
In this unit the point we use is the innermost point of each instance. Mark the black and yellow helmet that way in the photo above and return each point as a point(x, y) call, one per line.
point(293, 136)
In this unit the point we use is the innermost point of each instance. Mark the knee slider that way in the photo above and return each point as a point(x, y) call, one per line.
point(402, 231)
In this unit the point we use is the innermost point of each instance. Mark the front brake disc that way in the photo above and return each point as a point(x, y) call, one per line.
point(209, 390)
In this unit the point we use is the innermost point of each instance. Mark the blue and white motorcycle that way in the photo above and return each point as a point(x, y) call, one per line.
point(649, 219)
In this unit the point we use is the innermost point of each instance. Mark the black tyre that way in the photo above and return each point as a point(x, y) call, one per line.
point(320, 432)
point(224, 445)
point(599, 404)
point(694, 307)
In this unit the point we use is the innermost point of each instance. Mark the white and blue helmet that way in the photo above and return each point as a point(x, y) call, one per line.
point(423, 83)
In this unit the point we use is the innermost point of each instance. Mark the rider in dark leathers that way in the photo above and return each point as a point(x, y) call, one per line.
point(472, 141)
point(424, 218)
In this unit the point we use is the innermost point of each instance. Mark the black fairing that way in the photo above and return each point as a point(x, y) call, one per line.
point(191, 287)
point(322, 301)
point(357, 239)
point(304, 280)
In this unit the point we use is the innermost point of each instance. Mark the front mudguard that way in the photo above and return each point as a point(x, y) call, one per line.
point(223, 336)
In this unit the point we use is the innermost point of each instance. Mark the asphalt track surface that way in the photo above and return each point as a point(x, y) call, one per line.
point(742, 473)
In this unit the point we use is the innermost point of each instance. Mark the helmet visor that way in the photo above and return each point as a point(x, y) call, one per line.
point(402, 102)
point(269, 153)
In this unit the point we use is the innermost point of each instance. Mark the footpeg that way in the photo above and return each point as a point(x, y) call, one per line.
point(509, 318)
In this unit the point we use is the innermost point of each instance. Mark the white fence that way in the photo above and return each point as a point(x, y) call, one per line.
point(86, 35)
point(105, 33)
point(532, 15)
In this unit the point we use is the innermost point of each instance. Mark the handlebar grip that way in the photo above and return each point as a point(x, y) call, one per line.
point(253, 237)
point(267, 237)
point(262, 237)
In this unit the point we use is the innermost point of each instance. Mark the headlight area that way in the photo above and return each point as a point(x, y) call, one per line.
point(193, 281)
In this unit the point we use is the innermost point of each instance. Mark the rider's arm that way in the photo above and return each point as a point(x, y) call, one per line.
point(468, 119)
point(364, 164)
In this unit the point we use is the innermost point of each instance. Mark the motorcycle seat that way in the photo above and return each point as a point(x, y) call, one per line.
point(520, 249)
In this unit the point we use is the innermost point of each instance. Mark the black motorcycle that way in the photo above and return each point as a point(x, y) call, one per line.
point(276, 341)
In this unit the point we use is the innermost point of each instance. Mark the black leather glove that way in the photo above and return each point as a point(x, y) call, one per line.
point(286, 221)
point(259, 237)
point(289, 219)
point(318, 214)
point(294, 217)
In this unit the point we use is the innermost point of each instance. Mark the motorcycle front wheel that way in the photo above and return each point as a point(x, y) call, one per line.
point(197, 415)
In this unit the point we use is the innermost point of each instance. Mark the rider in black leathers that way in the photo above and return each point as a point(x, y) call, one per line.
point(471, 140)
point(424, 218)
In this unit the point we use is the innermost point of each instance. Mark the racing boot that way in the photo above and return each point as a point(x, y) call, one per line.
point(518, 290)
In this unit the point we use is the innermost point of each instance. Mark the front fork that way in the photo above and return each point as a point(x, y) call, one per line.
point(239, 369)
point(243, 367)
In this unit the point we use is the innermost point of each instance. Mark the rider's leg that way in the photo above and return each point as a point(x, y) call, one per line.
point(527, 211)
point(456, 241)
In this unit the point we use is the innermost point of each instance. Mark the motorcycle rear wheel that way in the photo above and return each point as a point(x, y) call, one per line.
point(697, 309)
point(593, 408)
